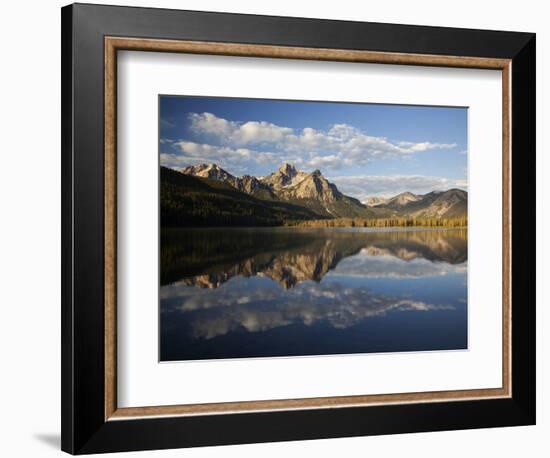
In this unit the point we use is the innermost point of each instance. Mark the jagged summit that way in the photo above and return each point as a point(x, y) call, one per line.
point(313, 186)
point(212, 171)
point(285, 176)
point(288, 169)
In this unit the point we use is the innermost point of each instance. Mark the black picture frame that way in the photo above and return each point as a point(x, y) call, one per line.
point(84, 428)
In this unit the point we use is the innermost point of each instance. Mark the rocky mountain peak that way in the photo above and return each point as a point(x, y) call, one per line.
point(288, 170)
point(452, 196)
point(285, 176)
point(212, 171)
point(248, 184)
point(374, 201)
point(405, 198)
point(314, 186)
point(456, 192)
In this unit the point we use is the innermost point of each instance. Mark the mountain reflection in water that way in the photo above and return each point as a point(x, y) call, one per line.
point(232, 293)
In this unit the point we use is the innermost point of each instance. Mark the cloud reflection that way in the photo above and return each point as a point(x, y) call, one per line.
point(237, 306)
point(375, 263)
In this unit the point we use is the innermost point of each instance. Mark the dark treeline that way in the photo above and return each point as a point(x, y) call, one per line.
point(382, 222)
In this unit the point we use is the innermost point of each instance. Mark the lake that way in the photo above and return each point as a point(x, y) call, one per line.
point(266, 292)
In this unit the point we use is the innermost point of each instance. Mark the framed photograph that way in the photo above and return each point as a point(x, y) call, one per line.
point(281, 228)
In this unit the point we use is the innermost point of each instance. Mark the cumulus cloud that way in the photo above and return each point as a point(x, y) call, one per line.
point(251, 132)
point(231, 159)
point(365, 186)
point(340, 145)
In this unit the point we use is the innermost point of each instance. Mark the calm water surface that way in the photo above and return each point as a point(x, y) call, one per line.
point(263, 292)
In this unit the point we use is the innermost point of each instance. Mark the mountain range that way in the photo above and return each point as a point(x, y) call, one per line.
point(206, 194)
point(436, 204)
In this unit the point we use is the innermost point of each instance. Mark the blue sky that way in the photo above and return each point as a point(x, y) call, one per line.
point(365, 149)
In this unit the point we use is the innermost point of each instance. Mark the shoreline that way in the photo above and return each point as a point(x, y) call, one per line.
point(336, 228)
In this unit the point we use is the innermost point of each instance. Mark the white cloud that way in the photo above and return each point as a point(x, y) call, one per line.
point(324, 161)
point(365, 186)
point(374, 262)
point(234, 160)
point(233, 133)
point(341, 144)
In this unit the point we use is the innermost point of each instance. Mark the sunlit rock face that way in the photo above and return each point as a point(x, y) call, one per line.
point(312, 186)
point(212, 171)
point(286, 176)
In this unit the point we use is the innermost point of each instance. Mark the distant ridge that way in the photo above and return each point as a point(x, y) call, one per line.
point(452, 203)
